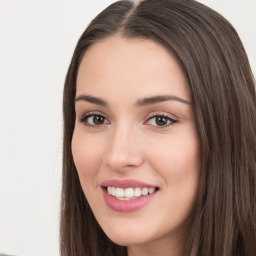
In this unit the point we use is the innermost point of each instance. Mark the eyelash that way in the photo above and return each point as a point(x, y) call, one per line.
point(170, 121)
point(84, 119)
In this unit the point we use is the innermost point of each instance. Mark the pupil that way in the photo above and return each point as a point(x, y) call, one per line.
point(161, 121)
point(98, 120)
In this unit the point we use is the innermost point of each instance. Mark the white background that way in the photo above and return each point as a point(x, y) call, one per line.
point(37, 39)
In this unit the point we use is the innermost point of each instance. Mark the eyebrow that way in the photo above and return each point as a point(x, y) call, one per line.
point(91, 99)
point(139, 103)
point(158, 99)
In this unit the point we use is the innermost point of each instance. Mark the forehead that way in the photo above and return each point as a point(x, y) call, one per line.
point(119, 65)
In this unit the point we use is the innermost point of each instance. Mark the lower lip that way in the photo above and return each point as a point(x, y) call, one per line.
point(127, 205)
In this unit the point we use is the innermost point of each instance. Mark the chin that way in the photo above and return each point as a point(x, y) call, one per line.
point(124, 238)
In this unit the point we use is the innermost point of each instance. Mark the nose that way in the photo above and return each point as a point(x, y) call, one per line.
point(123, 150)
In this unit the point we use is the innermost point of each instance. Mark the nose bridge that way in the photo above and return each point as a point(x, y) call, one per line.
point(123, 150)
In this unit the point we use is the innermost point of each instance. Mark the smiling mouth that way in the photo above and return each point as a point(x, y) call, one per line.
point(129, 193)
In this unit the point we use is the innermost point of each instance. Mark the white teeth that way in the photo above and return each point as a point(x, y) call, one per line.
point(151, 190)
point(123, 198)
point(129, 193)
point(113, 191)
point(144, 191)
point(119, 192)
point(137, 192)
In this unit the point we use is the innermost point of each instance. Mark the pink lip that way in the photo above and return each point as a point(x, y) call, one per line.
point(126, 205)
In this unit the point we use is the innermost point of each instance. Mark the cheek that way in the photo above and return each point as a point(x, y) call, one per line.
point(178, 162)
point(178, 154)
point(86, 154)
point(179, 165)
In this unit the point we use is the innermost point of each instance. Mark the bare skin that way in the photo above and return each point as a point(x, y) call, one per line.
point(135, 121)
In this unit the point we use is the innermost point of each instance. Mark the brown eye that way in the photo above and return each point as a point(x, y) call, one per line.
point(161, 121)
point(94, 120)
point(98, 120)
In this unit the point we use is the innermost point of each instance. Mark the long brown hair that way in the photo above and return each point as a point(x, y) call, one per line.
point(224, 103)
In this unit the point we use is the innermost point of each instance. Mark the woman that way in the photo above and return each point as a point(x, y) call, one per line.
point(159, 135)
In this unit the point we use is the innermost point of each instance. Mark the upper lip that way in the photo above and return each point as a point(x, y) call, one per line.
point(126, 184)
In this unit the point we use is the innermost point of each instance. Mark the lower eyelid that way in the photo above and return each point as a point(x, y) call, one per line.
point(85, 117)
point(170, 122)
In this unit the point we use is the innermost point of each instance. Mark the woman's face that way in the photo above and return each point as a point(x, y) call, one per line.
point(135, 142)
